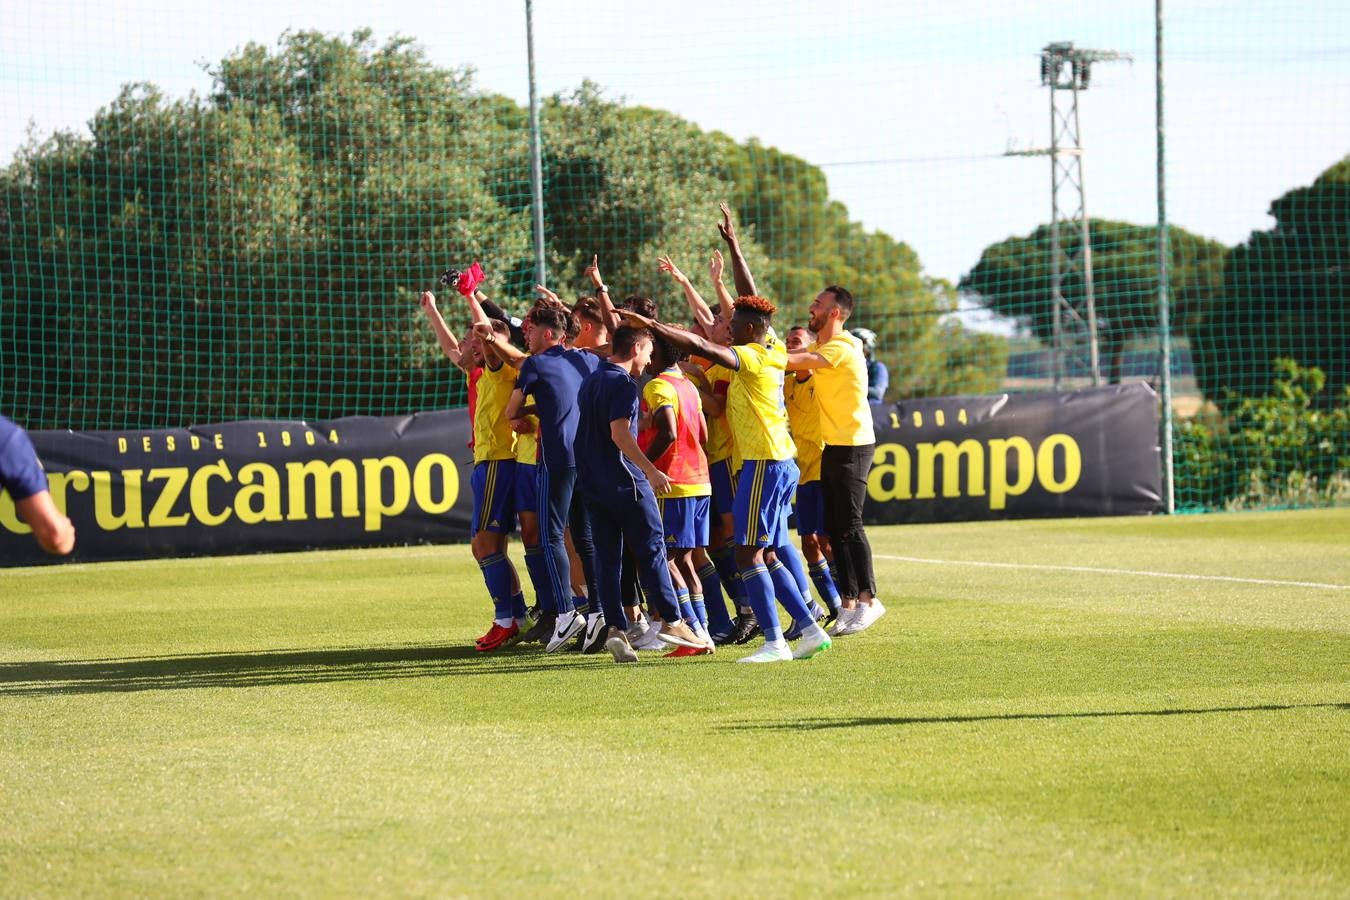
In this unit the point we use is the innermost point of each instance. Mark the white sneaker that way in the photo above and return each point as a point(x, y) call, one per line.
point(619, 648)
point(814, 640)
point(651, 640)
point(769, 653)
point(847, 619)
point(871, 612)
point(595, 633)
point(566, 628)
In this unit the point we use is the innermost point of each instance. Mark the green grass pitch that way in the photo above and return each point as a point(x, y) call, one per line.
point(1022, 721)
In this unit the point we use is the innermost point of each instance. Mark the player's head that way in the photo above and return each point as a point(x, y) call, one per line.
point(799, 337)
point(550, 326)
point(588, 323)
point(868, 338)
point(643, 306)
point(721, 330)
point(664, 355)
point(751, 320)
point(473, 348)
point(832, 304)
point(631, 347)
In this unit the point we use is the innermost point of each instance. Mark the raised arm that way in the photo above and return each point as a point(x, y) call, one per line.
point(725, 303)
point(492, 342)
point(703, 315)
point(444, 336)
point(740, 269)
point(684, 340)
point(602, 291)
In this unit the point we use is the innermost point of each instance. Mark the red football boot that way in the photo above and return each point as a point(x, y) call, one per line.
point(497, 638)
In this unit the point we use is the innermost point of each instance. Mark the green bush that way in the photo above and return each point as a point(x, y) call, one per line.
point(1284, 449)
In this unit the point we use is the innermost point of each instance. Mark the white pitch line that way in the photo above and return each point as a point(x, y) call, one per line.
point(1098, 571)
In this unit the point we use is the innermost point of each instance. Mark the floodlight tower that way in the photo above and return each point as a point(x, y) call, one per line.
point(1067, 70)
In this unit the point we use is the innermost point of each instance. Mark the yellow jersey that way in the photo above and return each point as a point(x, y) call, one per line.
point(492, 434)
point(755, 408)
point(804, 422)
point(527, 445)
point(720, 443)
point(841, 392)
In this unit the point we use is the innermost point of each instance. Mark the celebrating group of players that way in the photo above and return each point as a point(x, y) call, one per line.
point(673, 489)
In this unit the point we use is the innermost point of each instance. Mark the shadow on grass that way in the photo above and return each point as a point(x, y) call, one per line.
point(260, 668)
point(822, 724)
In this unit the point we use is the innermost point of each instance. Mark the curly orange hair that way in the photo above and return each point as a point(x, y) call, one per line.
point(756, 304)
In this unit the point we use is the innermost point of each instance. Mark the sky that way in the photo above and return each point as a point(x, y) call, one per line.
point(909, 106)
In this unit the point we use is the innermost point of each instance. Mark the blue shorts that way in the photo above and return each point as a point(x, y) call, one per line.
point(524, 487)
point(493, 483)
point(685, 521)
point(810, 508)
point(763, 498)
point(723, 488)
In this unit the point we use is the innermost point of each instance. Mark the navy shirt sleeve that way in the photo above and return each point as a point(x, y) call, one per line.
point(527, 376)
point(20, 472)
point(623, 401)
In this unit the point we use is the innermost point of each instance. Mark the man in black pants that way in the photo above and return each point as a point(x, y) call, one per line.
point(846, 425)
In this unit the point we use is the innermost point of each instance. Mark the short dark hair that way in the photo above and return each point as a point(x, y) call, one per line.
point(666, 352)
point(587, 308)
point(759, 310)
point(842, 298)
point(551, 317)
point(643, 306)
point(625, 338)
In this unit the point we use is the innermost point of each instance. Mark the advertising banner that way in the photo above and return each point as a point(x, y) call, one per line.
point(259, 486)
point(254, 486)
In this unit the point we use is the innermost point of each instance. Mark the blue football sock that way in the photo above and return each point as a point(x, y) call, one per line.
point(788, 593)
point(791, 558)
point(700, 609)
point(518, 609)
point(686, 606)
point(497, 577)
point(758, 587)
point(718, 619)
point(724, 560)
point(820, 574)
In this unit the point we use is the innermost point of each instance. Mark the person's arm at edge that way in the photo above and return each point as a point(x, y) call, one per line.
point(53, 531)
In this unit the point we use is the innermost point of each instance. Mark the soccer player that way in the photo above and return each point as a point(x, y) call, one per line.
point(840, 370)
point(674, 444)
point(619, 483)
point(768, 474)
point(716, 565)
point(551, 377)
point(21, 474)
point(492, 479)
point(799, 392)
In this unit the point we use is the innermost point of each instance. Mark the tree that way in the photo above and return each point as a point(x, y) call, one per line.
point(1286, 294)
point(257, 252)
point(1013, 279)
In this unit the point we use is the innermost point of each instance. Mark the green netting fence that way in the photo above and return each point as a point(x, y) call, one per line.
point(219, 215)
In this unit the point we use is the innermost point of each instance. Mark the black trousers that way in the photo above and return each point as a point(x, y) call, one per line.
point(843, 481)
